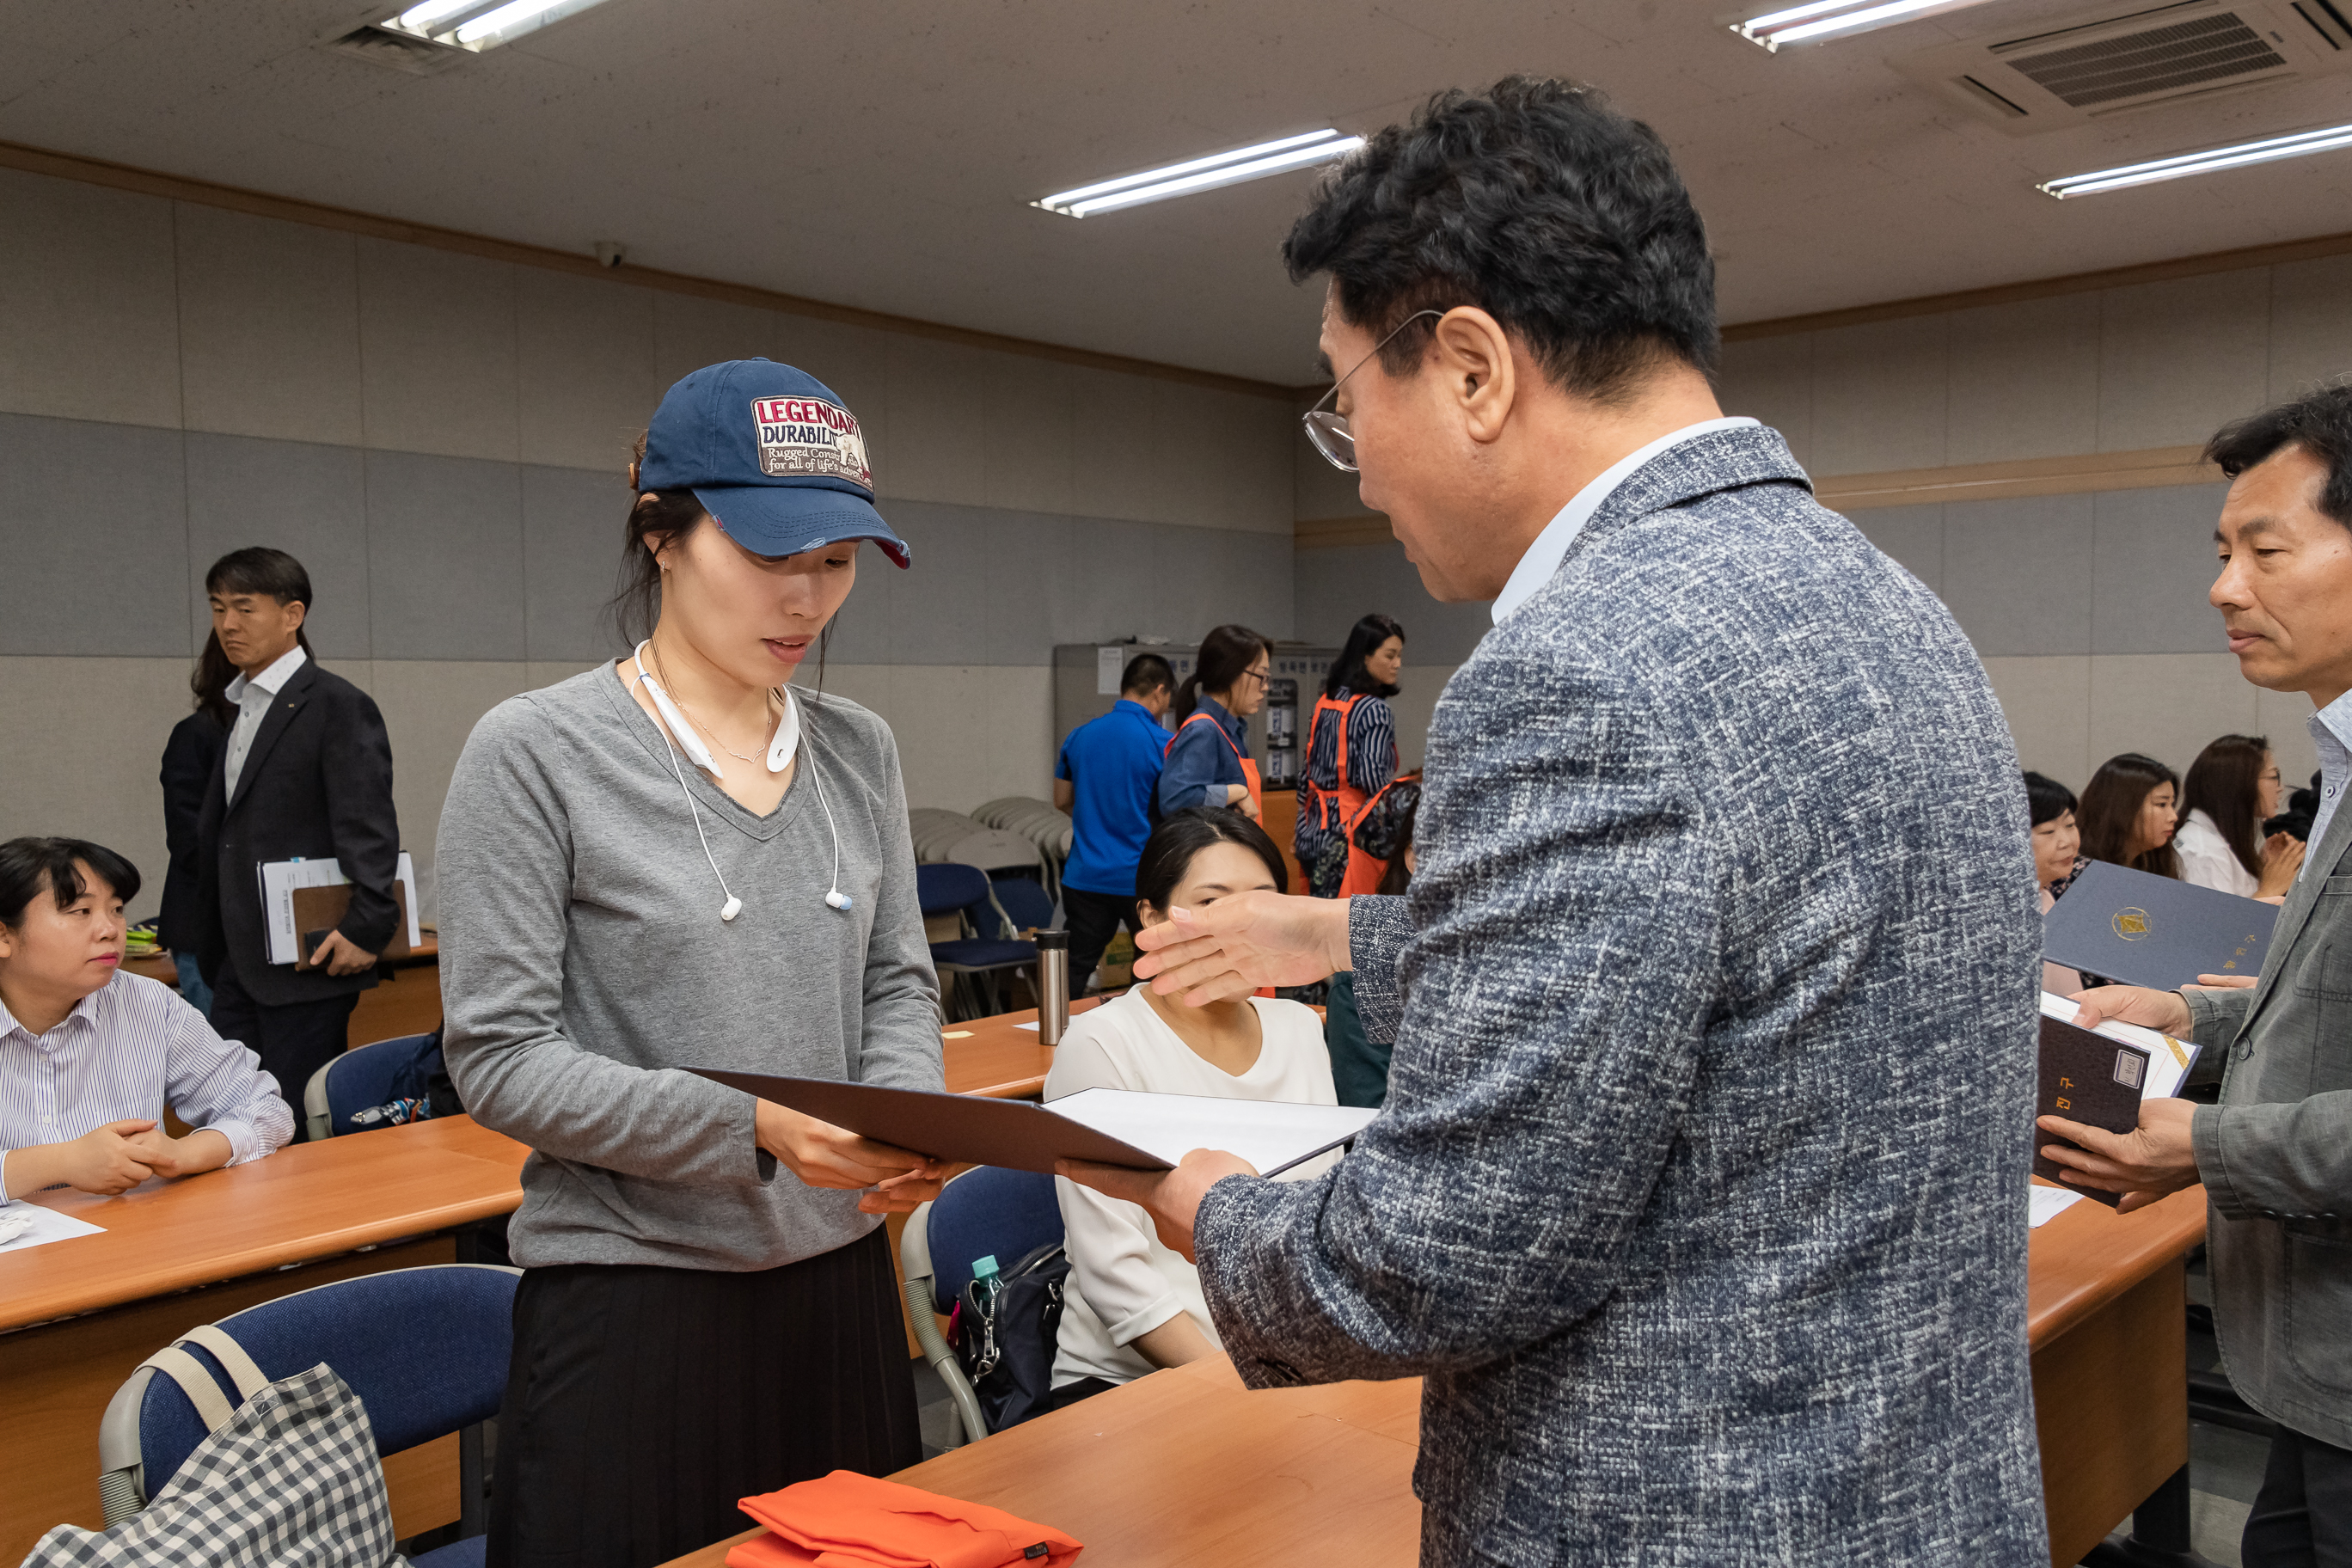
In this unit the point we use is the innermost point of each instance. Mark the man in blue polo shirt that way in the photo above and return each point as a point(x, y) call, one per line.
point(1104, 779)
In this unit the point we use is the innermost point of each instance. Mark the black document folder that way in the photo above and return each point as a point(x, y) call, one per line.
point(2089, 1078)
point(2145, 929)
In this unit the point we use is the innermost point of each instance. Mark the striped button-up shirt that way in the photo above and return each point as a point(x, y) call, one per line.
point(126, 1050)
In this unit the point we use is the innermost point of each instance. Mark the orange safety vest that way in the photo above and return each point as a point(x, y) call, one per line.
point(1249, 766)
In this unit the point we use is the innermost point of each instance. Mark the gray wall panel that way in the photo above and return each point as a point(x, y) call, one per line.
point(939, 614)
point(445, 557)
point(861, 628)
point(574, 522)
point(95, 525)
point(307, 499)
point(1912, 535)
point(1335, 587)
point(2017, 574)
point(2152, 563)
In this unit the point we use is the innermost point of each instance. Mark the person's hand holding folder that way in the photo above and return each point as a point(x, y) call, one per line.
point(2157, 1158)
point(824, 1155)
point(1172, 1198)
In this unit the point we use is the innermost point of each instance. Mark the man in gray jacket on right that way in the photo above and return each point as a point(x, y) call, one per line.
point(2275, 1154)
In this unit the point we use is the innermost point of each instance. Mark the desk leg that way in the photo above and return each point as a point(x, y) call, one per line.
point(2160, 1535)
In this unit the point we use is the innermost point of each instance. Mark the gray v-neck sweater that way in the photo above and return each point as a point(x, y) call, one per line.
point(583, 964)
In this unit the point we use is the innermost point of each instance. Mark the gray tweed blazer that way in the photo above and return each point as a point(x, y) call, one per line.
point(1699, 1197)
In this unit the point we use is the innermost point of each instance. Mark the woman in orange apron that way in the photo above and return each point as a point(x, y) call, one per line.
point(1207, 762)
point(1350, 753)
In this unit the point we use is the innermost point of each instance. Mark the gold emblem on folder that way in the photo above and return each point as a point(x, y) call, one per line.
point(2131, 924)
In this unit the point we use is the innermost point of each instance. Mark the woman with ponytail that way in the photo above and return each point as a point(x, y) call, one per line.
point(1208, 761)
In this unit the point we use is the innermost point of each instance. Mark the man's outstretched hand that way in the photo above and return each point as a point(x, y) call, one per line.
point(1232, 947)
point(1172, 1198)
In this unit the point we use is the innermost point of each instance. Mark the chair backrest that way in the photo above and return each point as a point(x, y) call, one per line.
point(946, 889)
point(368, 1076)
point(425, 1349)
point(1023, 902)
point(988, 1212)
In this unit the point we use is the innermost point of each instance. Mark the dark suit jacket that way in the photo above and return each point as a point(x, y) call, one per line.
point(191, 759)
point(1699, 1195)
point(317, 781)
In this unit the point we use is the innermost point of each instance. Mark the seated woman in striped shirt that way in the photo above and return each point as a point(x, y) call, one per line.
point(90, 1055)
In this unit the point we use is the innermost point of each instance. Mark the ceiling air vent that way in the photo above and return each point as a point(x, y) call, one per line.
point(2114, 61)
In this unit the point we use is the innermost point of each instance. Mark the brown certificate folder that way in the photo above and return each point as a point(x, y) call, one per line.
point(2090, 1079)
point(1272, 1135)
point(317, 910)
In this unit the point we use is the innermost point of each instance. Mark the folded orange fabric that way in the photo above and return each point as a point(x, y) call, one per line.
point(848, 1521)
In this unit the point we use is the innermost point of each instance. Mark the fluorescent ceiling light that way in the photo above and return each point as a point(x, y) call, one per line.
point(1824, 18)
point(2267, 151)
point(1203, 173)
point(479, 25)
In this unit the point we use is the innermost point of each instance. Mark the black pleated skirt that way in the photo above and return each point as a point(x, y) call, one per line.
point(642, 1402)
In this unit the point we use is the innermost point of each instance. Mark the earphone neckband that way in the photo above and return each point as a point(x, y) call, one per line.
point(676, 733)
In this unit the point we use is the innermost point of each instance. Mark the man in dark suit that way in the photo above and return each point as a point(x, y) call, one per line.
point(307, 773)
point(2275, 1156)
point(1699, 1199)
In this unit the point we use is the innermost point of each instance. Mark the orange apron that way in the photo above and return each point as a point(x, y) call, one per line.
point(1249, 765)
point(1335, 808)
point(1364, 874)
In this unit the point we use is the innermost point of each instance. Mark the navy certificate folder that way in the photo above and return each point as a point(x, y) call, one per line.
point(2144, 929)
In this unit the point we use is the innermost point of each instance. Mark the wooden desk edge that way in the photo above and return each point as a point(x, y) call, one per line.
point(2160, 1247)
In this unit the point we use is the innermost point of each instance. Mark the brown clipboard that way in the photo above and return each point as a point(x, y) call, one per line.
point(1017, 1134)
point(322, 908)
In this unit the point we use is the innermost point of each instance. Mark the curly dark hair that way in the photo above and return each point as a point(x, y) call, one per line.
point(1537, 201)
point(2320, 422)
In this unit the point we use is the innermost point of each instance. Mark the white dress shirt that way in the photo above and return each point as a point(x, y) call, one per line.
point(1126, 1283)
point(252, 699)
point(2331, 733)
point(126, 1050)
point(2207, 861)
point(1550, 548)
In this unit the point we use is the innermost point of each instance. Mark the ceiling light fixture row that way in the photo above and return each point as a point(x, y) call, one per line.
point(1837, 18)
point(479, 25)
point(1232, 168)
point(2269, 149)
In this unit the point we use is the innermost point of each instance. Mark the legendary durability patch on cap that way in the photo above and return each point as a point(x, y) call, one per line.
point(807, 437)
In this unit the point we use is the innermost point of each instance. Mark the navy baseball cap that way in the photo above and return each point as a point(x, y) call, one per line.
point(771, 454)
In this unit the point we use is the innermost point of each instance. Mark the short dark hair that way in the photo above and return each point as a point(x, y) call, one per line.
point(2111, 805)
point(29, 864)
point(1181, 835)
point(1225, 652)
point(1146, 672)
point(257, 569)
point(1364, 640)
point(1537, 201)
point(2046, 800)
point(2320, 422)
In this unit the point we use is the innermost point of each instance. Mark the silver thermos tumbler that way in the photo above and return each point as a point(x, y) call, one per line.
point(1053, 986)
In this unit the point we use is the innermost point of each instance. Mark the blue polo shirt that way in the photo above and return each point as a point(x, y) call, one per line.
point(1113, 765)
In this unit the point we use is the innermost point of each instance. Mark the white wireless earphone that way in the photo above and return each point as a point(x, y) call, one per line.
point(780, 751)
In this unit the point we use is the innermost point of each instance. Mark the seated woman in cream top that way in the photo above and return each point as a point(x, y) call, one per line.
point(1135, 1306)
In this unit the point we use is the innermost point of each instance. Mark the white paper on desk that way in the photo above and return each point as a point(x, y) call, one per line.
point(2169, 1060)
point(2049, 1203)
point(280, 878)
point(1272, 1135)
point(47, 1226)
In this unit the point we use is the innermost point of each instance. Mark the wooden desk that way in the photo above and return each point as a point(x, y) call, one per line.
point(996, 1057)
point(2106, 1316)
point(1182, 1468)
point(76, 1316)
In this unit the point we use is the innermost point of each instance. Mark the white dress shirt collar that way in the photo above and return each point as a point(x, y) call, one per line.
point(1550, 548)
point(272, 680)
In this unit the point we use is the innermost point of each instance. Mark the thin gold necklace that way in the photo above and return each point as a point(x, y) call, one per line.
point(704, 727)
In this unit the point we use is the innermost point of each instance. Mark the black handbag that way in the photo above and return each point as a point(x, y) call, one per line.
point(1006, 1343)
point(1386, 825)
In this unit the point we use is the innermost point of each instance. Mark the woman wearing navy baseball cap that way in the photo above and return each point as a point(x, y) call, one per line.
point(679, 860)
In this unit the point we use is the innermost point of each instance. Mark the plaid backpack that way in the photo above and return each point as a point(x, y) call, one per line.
point(289, 1477)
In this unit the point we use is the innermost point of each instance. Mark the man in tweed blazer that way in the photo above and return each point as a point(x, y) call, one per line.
point(1699, 1197)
